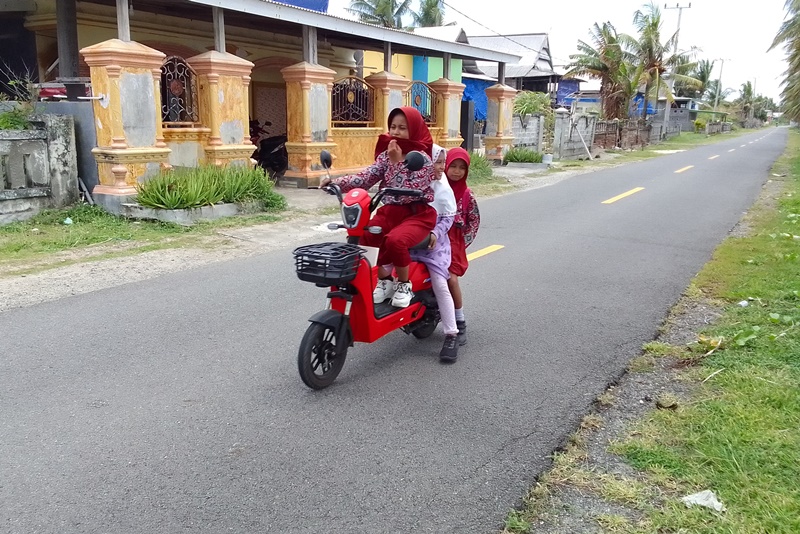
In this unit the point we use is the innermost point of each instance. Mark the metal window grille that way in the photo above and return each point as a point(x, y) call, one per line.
point(421, 97)
point(178, 93)
point(352, 102)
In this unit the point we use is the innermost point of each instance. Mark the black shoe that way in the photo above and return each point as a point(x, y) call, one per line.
point(449, 352)
point(462, 332)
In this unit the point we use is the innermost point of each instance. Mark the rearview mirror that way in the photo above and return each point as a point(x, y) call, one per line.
point(414, 161)
point(326, 159)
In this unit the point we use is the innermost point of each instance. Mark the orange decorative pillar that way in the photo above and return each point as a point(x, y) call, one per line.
point(222, 82)
point(389, 94)
point(127, 103)
point(448, 111)
point(308, 121)
point(499, 114)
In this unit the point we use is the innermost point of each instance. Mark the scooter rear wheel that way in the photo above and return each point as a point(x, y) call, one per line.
point(317, 360)
point(424, 330)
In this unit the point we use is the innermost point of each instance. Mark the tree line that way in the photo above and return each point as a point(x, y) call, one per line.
point(649, 64)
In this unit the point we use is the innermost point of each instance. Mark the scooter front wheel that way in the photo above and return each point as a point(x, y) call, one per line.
point(317, 360)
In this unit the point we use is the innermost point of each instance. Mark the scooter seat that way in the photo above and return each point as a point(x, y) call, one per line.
point(422, 245)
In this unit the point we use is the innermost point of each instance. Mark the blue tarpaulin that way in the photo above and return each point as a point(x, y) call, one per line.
point(315, 5)
point(475, 90)
point(566, 89)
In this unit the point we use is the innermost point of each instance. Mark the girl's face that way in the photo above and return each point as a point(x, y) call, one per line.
point(438, 165)
point(399, 126)
point(457, 170)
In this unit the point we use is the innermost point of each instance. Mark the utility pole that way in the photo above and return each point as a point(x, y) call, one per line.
point(671, 83)
point(719, 85)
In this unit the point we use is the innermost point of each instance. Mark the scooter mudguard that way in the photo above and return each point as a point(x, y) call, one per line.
point(338, 322)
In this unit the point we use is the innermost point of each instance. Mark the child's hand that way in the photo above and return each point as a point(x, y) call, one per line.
point(395, 154)
point(432, 241)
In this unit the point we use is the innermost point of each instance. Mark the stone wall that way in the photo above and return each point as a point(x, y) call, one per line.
point(38, 168)
point(573, 136)
point(528, 131)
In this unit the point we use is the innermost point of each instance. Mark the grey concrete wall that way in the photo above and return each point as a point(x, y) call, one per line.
point(85, 135)
point(38, 167)
point(528, 132)
point(573, 135)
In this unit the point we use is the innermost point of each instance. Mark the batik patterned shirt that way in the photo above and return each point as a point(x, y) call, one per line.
point(393, 175)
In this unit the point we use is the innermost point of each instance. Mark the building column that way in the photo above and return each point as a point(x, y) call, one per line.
point(448, 111)
point(308, 121)
point(499, 119)
point(126, 104)
point(223, 82)
point(389, 92)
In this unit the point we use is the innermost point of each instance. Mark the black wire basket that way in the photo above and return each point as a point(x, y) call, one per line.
point(327, 263)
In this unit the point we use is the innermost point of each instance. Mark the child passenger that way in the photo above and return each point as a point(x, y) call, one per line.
point(463, 231)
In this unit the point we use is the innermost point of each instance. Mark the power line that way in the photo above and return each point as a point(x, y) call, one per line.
point(488, 28)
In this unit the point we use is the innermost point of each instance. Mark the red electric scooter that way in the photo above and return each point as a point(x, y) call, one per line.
point(350, 315)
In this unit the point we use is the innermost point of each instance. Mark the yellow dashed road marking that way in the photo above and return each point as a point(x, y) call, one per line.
point(684, 169)
point(623, 195)
point(484, 252)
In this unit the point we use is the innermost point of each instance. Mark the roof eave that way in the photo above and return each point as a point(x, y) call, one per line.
point(306, 17)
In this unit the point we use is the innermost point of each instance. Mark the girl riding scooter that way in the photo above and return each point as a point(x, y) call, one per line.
point(405, 220)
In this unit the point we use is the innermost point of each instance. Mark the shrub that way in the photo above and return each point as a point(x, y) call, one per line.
point(699, 126)
point(15, 119)
point(519, 154)
point(208, 185)
point(480, 168)
point(529, 102)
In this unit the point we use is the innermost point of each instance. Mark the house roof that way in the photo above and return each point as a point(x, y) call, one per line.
point(347, 33)
point(452, 33)
point(533, 49)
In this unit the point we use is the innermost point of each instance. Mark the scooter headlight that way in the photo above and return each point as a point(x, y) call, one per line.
point(351, 215)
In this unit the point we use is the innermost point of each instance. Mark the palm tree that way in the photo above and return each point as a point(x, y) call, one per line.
point(702, 73)
point(789, 36)
point(710, 96)
point(627, 81)
point(746, 99)
point(387, 13)
point(601, 60)
point(431, 13)
point(656, 57)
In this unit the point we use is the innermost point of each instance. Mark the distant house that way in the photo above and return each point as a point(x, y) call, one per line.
point(533, 72)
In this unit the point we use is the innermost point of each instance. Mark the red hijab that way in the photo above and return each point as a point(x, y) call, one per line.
point(419, 137)
point(459, 187)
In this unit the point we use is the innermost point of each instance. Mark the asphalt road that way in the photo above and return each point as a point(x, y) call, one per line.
point(174, 405)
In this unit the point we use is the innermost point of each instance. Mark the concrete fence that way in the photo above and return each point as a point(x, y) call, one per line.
point(38, 168)
point(573, 136)
point(528, 131)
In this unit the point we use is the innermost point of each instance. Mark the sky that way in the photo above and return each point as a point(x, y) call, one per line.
point(739, 35)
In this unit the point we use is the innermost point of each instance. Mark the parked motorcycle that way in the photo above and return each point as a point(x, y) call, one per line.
point(350, 315)
point(270, 154)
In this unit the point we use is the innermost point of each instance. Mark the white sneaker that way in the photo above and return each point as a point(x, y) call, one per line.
point(403, 295)
point(384, 290)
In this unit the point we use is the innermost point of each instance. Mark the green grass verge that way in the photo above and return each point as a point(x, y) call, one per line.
point(740, 437)
point(47, 233)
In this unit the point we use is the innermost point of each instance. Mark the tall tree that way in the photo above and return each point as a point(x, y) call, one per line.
point(431, 13)
point(387, 13)
point(702, 73)
point(601, 59)
point(746, 100)
point(656, 57)
point(789, 37)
